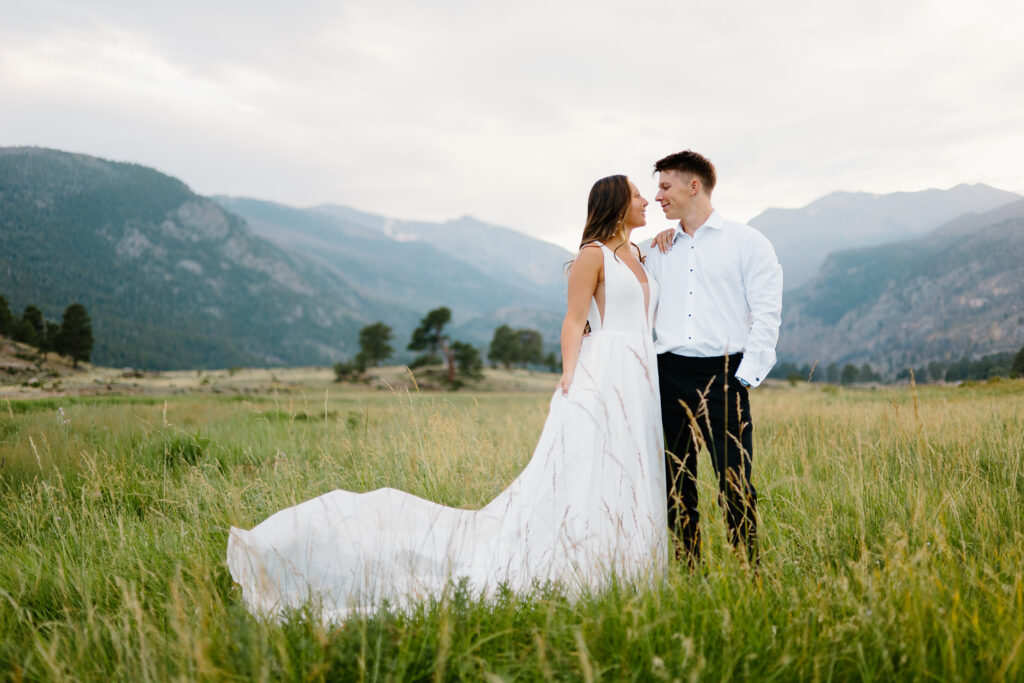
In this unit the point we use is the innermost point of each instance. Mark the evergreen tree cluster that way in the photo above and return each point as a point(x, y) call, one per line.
point(374, 347)
point(1017, 368)
point(1008, 364)
point(71, 337)
point(986, 367)
point(830, 374)
point(518, 347)
point(462, 360)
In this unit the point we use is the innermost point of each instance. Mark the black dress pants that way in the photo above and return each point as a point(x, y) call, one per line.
point(702, 403)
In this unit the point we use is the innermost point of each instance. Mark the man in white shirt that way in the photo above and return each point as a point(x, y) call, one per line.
point(717, 325)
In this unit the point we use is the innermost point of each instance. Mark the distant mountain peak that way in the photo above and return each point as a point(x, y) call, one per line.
point(847, 220)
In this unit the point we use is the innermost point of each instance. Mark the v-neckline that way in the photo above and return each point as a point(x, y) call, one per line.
point(645, 281)
point(645, 284)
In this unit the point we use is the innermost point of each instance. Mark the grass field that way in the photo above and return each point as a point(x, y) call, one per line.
point(892, 531)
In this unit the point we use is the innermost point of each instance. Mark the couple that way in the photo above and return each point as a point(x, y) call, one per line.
point(625, 426)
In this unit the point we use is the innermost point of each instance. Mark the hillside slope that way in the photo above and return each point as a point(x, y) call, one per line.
point(487, 275)
point(958, 290)
point(170, 279)
point(175, 280)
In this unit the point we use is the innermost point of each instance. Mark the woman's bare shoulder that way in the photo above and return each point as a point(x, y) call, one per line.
point(590, 254)
point(590, 259)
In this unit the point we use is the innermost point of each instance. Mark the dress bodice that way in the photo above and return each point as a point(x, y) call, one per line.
point(627, 307)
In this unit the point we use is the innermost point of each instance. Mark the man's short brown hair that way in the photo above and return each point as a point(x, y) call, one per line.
point(690, 162)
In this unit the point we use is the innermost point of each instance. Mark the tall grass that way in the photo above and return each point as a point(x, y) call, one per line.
point(891, 531)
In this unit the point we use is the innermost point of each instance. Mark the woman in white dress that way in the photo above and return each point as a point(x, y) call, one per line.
point(589, 508)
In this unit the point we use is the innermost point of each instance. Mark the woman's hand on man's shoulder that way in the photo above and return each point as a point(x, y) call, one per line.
point(663, 240)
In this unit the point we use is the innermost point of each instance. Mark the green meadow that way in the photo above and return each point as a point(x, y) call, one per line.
point(892, 532)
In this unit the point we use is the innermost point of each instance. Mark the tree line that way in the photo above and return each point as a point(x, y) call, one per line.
point(832, 373)
point(461, 360)
point(1007, 364)
point(71, 337)
point(522, 347)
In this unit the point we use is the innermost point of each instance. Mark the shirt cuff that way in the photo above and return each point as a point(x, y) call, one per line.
point(750, 373)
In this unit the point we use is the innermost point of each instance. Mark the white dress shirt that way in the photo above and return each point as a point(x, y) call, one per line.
point(721, 293)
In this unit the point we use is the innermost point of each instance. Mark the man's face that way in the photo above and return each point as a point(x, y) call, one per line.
point(675, 193)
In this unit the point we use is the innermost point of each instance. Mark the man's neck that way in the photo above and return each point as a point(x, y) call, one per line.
point(692, 221)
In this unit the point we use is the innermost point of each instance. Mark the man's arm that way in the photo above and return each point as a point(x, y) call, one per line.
point(762, 284)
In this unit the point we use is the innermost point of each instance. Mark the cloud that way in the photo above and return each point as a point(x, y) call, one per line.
point(509, 114)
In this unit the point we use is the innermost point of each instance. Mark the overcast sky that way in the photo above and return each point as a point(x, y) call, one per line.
point(509, 112)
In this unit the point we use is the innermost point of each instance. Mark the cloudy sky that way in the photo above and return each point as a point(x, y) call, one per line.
point(509, 111)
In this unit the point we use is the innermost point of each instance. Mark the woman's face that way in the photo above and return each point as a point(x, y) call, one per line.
point(635, 215)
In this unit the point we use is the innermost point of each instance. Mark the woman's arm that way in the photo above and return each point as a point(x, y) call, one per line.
point(584, 275)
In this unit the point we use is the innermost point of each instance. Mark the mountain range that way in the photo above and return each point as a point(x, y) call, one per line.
point(804, 237)
point(175, 280)
point(487, 275)
point(958, 290)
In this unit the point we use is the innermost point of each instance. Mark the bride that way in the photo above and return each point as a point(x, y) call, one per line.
point(589, 508)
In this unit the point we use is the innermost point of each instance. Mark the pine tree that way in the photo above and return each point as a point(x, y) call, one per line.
point(75, 338)
point(529, 347)
point(867, 373)
point(468, 360)
point(6, 318)
point(503, 347)
point(551, 362)
point(32, 329)
point(850, 374)
point(50, 339)
point(832, 373)
point(1017, 368)
point(430, 336)
point(373, 343)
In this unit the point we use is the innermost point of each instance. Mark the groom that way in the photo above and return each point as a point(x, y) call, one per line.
point(717, 325)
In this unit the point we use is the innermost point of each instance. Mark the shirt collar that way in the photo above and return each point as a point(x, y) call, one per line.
point(715, 221)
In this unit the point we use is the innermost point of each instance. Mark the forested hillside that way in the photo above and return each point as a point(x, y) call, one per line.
point(170, 278)
point(175, 280)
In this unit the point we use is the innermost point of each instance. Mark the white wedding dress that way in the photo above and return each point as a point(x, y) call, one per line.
point(589, 506)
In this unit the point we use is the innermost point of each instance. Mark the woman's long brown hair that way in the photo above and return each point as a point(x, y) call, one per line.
point(607, 207)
